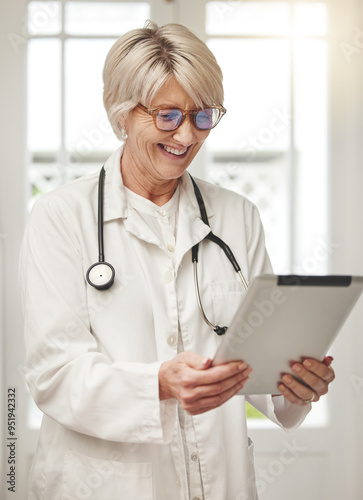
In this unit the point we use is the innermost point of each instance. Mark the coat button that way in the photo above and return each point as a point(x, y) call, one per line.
point(169, 276)
point(194, 456)
point(172, 339)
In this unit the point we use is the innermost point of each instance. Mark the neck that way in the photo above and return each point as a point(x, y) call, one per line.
point(155, 190)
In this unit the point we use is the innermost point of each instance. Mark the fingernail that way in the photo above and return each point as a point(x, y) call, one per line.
point(296, 367)
point(307, 363)
point(205, 362)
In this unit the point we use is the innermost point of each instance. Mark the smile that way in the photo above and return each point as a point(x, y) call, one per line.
point(177, 152)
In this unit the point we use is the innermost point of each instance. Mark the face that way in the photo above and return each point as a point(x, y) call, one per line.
point(158, 157)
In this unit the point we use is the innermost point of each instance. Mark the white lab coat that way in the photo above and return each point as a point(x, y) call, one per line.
point(92, 357)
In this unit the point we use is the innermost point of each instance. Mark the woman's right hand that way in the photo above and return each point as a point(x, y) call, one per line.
point(198, 386)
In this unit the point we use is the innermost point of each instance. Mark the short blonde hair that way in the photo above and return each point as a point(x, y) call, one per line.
point(142, 60)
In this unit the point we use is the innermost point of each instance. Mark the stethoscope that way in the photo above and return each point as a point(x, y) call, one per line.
point(101, 275)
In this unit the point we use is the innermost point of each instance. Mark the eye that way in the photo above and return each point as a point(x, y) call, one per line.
point(169, 115)
point(206, 118)
point(167, 119)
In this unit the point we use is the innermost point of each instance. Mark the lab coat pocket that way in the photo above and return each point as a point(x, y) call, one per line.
point(86, 478)
point(227, 296)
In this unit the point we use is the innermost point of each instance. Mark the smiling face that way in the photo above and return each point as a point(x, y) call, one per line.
point(153, 161)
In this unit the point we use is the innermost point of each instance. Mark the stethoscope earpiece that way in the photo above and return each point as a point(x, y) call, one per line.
point(101, 275)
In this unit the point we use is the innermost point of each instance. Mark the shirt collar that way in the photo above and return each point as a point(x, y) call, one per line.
point(115, 198)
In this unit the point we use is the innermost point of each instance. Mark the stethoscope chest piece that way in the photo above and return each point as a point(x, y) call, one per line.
point(101, 275)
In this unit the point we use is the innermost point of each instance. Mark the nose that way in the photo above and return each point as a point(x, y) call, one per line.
point(185, 134)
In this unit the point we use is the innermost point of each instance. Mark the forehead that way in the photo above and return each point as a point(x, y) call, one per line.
point(172, 94)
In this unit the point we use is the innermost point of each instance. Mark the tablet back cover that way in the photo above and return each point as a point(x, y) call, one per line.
point(285, 319)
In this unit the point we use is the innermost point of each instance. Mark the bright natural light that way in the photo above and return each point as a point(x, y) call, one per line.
point(269, 148)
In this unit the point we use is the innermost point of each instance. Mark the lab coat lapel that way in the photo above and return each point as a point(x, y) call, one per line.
point(191, 228)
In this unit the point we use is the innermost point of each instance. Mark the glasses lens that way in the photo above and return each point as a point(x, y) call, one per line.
point(168, 119)
point(207, 118)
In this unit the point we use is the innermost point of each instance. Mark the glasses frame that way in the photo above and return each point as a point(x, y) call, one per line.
point(192, 113)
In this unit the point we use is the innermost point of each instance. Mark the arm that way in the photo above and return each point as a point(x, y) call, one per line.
point(70, 380)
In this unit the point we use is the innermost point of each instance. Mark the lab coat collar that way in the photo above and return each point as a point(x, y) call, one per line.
point(115, 201)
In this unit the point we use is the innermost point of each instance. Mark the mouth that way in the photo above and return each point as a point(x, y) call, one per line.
point(174, 151)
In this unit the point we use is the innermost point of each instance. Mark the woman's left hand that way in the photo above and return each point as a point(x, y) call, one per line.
point(316, 374)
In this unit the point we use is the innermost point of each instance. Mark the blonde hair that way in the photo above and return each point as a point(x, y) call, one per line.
point(142, 60)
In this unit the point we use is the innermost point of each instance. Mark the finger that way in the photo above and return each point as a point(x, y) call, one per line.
point(320, 369)
point(291, 396)
point(196, 361)
point(300, 390)
point(222, 386)
point(209, 403)
point(316, 383)
point(328, 360)
point(218, 373)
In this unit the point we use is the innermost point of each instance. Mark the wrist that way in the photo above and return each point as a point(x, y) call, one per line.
point(164, 390)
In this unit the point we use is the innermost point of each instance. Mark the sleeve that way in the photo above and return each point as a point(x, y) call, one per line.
point(69, 379)
point(280, 411)
point(277, 409)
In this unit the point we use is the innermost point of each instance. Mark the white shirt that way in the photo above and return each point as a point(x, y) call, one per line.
point(92, 357)
point(163, 221)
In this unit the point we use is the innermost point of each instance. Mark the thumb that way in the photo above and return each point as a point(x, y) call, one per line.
point(196, 361)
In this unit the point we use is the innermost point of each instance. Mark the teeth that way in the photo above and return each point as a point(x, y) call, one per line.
point(177, 152)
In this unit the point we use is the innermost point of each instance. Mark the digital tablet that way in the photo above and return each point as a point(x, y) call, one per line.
point(284, 319)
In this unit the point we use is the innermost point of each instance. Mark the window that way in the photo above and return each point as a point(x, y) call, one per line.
point(272, 146)
point(68, 131)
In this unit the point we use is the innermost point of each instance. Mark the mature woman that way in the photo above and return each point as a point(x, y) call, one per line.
point(132, 407)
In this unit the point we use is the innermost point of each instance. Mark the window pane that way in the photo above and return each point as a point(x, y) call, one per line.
point(87, 128)
point(256, 83)
point(44, 95)
point(104, 18)
point(247, 18)
point(249, 150)
point(310, 19)
point(311, 152)
point(44, 18)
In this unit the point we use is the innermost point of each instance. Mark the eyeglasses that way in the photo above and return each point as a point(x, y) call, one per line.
point(168, 119)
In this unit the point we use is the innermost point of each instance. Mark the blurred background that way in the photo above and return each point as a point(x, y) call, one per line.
point(291, 141)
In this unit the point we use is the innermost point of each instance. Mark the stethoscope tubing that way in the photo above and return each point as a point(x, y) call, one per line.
point(101, 274)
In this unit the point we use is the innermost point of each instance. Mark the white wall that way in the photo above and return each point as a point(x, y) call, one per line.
point(346, 209)
point(12, 214)
point(346, 226)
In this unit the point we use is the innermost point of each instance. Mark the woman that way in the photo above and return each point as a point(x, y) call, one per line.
point(132, 407)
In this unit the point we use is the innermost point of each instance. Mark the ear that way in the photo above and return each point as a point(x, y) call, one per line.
point(122, 121)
